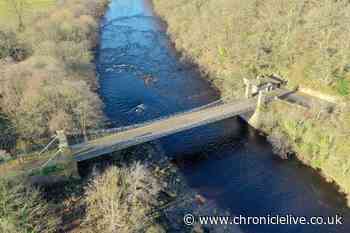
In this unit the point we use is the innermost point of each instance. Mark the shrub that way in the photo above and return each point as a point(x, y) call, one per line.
point(8, 134)
point(40, 97)
point(4, 156)
point(73, 54)
point(280, 144)
point(121, 200)
point(11, 47)
point(304, 40)
point(52, 89)
point(343, 87)
point(7, 43)
point(23, 210)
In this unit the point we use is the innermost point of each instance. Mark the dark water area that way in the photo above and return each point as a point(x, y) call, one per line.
point(228, 163)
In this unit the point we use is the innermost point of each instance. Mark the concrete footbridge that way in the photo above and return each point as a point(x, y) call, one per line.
point(122, 138)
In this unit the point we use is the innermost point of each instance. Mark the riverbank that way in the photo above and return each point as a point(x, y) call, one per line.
point(56, 202)
point(244, 43)
point(225, 169)
point(317, 139)
point(48, 78)
point(48, 82)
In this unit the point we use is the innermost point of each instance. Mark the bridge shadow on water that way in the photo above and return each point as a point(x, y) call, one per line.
point(241, 175)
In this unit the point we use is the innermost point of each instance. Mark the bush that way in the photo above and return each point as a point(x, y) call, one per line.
point(343, 87)
point(319, 141)
point(303, 41)
point(121, 200)
point(23, 210)
point(4, 156)
point(53, 88)
point(280, 145)
point(11, 47)
point(7, 43)
point(8, 134)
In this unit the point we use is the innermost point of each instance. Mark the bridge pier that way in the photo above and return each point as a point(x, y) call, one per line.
point(62, 140)
point(71, 168)
point(255, 119)
point(261, 99)
point(248, 88)
point(260, 86)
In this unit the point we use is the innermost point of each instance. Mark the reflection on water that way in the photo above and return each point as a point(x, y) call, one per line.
point(141, 79)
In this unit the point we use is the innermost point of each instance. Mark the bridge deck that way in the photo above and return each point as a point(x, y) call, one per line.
point(158, 129)
point(162, 128)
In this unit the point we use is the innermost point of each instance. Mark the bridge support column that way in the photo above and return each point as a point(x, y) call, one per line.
point(62, 139)
point(70, 165)
point(261, 99)
point(255, 119)
point(248, 89)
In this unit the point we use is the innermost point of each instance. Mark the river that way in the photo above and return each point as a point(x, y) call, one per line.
point(141, 78)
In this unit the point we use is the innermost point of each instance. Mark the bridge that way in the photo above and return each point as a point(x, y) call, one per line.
point(121, 138)
point(159, 128)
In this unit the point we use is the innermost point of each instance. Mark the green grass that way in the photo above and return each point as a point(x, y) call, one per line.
point(320, 142)
point(33, 7)
point(343, 87)
point(23, 165)
point(56, 169)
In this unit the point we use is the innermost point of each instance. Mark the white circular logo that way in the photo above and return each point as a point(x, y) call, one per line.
point(189, 219)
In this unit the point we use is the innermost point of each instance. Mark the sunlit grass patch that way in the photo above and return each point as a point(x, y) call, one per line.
point(32, 7)
point(23, 165)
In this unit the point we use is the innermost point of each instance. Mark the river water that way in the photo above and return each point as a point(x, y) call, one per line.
point(141, 78)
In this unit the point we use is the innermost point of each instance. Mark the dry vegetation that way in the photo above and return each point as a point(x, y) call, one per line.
point(118, 200)
point(304, 41)
point(23, 210)
point(123, 200)
point(47, 82)
point(47, 76)
point(321, 140)
point(13, 12)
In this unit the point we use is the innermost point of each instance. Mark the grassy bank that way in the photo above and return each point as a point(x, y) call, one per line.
point(47, 82)
point(47, 76)
point(119, 199)
point(302, 41)
point(9, 10)
point(125, 193)
point(320, 140)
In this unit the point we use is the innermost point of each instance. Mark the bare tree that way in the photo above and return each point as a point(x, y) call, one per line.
point(19, 7)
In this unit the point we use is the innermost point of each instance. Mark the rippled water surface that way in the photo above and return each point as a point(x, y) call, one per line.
point(141, 78)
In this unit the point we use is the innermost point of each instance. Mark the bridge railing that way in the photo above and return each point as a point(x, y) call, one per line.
point(77, 137)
